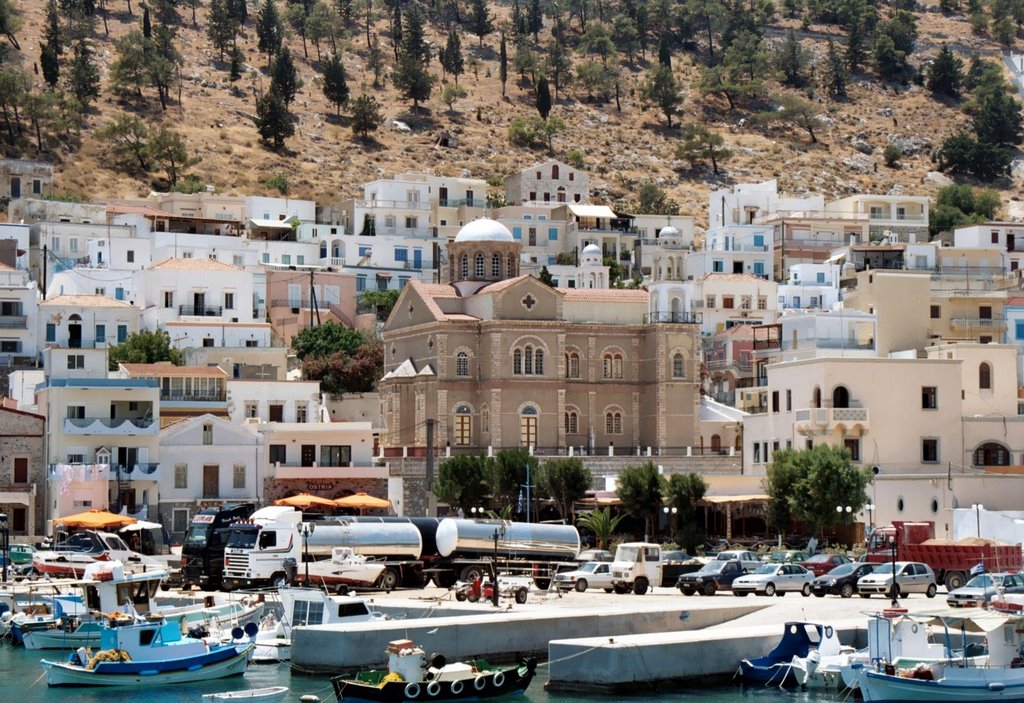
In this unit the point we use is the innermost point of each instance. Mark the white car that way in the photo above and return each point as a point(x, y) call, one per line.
point(775, 580)
point(749, 560)
point(911, 576)
point(593, 574)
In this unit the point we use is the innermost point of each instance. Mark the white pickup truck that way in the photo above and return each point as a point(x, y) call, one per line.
point(638, 566)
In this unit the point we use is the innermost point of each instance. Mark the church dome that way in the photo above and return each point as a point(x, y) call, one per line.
point(668, 231)
point(484, 230)
point(592, 249)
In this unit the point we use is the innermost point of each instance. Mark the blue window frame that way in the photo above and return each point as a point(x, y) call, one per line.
point(266, 258)
point(401, 254)
point(122, 333)
point(821, 277)
point(360, 284)
point(119, 293)
point(300, 259)
point(552, 234)
point(1019, 325)
point(517, 232)
point(101, 333)
point(286, 258)
point(51, 332)
point(758, 268)
point(365, 251)
point(717, 266)
point(758, 240)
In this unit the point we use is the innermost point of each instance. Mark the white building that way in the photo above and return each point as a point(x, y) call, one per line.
point(1005, 236)
point(591, 272)
point(195, 290)
point(296, 402)
point(746, 203)
point(899, 215)
point(810, 286)
point(19, 312)
point(188, 334)
point(742, 249)
point(727, 299)
point(85, 321)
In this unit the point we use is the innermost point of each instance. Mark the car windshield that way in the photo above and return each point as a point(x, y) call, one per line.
point(589, 566)
point(779, 556)
point(239, 539)
point(728, 556)
point(626, 554)
point(819, 558)
point(713, 567)
point(842, 570)
point(768, 569)
point(198, 535)
point(984, 581)
point(883, 569)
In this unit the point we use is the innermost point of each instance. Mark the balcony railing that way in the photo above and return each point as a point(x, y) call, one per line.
point(394, 204)
point(80, 343)
point(13, 321)
point(115, 426)
point(136, 470)
point(678, 318)
point(180, 396)
point(201, 310)
point(904, 217)
point(988, 323)
point(293, 304)
point(827, 420)
point(459, 202)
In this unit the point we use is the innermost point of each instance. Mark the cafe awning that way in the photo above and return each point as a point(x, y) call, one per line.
point(601, 211)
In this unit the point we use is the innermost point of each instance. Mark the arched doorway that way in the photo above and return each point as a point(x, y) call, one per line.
point(74, 332)
point(816, 398)
point(528, 427)
point(716, 444)
point(991, 454)
point(840, 397)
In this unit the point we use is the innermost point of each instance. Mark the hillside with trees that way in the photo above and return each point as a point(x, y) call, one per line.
point(314, 97)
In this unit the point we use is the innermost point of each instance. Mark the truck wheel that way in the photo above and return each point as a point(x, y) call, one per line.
point(709, 589)
point(388, 579)
point(521, 595)
point(542, 584)
point(932, 589)
point(865, 595)
point(444, 579)
point(769, 589)
point(278, 580)
point(806, 590)
point(460, 596)
point(620, 589)
point(640, 586)
point(581, 585)
point(687, 591)
point(741, 594)
point(954, 580)
point(846, 590)
point(471, 574)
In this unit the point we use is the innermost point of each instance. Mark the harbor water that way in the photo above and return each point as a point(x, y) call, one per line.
point(21, 681)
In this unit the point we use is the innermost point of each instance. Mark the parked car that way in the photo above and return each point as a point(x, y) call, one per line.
point(596, 574)
point(594, 555)
point(842, 580)
point(981, 589)
point(21, 553)
point(775, 579)
point(821, 564)
point(911, 577)
point(748, 559)
point(714, 576)
point(785, 556)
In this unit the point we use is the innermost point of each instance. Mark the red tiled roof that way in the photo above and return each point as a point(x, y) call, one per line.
point(143, 210)
point(439, 290)
point(502, 285)
point(1015, 300)
point(85, 300)
point(604, 295)
point(168, 369)
point(197, 264)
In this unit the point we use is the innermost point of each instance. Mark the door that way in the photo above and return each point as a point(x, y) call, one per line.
point(21, 470)
point(127, 457)
point(1010, 242)
point(126, 499)
point(211, 481)
point(15, 187)
point(74, 336)
point(199, 303)
point(308, 454)
point(442, 196)
point(737, 267)
point(417, 258)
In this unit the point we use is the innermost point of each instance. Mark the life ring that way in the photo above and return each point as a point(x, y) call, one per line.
point(433, 688)
point(829, 632)
point(480, 683)
point(456, 688)
point(913, 627)
point(499, 679)
point(412, 690)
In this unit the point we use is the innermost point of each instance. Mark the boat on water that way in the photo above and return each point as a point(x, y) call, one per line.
point(148, 653)
point(69, 559)
point(410, 676)
point(799, 641)
point(958, 678)
point(270, 694)
point(306, 606)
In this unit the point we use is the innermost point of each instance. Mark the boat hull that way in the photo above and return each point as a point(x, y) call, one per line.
point(56, 638)
point(775, 673)
point(271, 694)
point(229, 661)
point(986, 685)
point(512, 680)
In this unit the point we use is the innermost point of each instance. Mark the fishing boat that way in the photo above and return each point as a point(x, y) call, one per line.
point(957, 678)
point(799, 639)
point(149, 653)
point(270, 694)
point(410, 676)
point(70, 558)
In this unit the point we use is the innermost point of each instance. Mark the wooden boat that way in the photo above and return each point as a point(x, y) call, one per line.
point(270, 694)
point(411, 677)
point(148, 653)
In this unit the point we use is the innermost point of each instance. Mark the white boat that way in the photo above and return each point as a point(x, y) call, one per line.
point(958, 678)
point(270, 694)
point(342, 571)
point(821, 668)
point(305, 606)
point(71, 557)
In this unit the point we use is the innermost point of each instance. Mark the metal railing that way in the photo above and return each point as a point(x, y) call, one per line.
point(679, 318)
point(394, 204)
point(459, 202)
point(110, 423)
point(293, 304)
point(13, 321)
point(194, 397)
point(201, 310)
point(981, 322)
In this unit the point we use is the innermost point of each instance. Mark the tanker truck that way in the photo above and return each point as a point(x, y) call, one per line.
point(268, 549)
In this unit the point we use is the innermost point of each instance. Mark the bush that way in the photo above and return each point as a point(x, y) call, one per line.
point(892, 155)
point(278, 182)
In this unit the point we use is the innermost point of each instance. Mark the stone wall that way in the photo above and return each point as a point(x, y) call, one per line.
point(276, 488)
point(22, 435)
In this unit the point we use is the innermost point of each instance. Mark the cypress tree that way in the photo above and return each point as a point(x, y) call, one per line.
point(269, 30)
point(945, 76)
point(452, 61)
point(52, 34)
point(335, 83)
point(237, 62)
point(543, 98)
point(50, 63)
point(480, 20)
point(664, 50)
point(147, 25)
point(835, 76)
point(503, 64)
point(284, 78)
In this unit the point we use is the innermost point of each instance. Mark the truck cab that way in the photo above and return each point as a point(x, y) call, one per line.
point(637, 567)
point(263, 550)
point(202, 554)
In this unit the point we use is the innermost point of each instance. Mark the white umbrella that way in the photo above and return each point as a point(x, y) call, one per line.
point(141, 525)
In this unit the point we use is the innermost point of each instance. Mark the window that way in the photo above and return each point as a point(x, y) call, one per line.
point(995, 237)
point(528, 426)
point(208, 434)
point(122, 334)
point(485, 420)
point(463, 426)
point(101, 334)
point(401, 254)
point(745, 301)
point(936, 312)
point(335, 455)
point(266, 258)
point(991, 454)
point(572, 365)
point(76, 361)
point(21, 470)
point(511, 266)
point(495, 266)
point(538, 362)
point(517, 362)
point(286, 259)
point(612, 365)
point(717, 266)
point(464, 266)
point(678, 366)
point(762, 302)
point(775, 401)
point(252, 409)
point(360, 284)
point(528, 361)
point(1019, 330)
point(929, 397)
point(552, 234)
point(929, 450)
point(229, 301)
point(572, 422)
point(252, 343)
point(208, 341)
point(278, 453)
point(130, 256)
point(100, 290)
point(462, 364)
point(478, 269)
point(179, 520)
point(532, 237)
point(238, 476)
point(613, 422)
point(301, 411)
point(181, 476)
point(276, 413)
point(51, 332)
point(984, 376)
point(853, 446)
point(410, 222)
point(554, 172)
point(727, 302)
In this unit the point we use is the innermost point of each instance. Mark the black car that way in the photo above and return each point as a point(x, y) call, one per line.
point(842, 580)
point(714, 576)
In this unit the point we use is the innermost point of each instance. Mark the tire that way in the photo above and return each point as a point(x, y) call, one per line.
point(769, 589)
point(456, 688)
point(278, 580)
point(687, 591)
point(640, 586)
point(412, 690)
point(932, 590)
point(389, 579)
point(819, 595)
point(846, 590)
point(620, 589)
point(864, 595)
point(780, 594)
point(894, 591)
point(521, 595)
point(542, 584)
point(806, 590)
point(444, 579)
point(581, 585)
point(609, 590)
point(472, 597)
point(709, 589)
point(741, 594)
point(471, 573)
point(498, 679)
point(433, 689)
point(954, 580)
point(480, 683)
point(460, 596)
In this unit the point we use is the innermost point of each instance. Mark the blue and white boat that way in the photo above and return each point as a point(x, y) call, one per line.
point(799, 639)
point(150, 653)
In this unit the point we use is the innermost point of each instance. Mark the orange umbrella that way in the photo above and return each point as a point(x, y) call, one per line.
point(95, 519)
point(362, 500)
point(305, 501)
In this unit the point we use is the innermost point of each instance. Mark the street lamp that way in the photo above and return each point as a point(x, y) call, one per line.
point(499, 532)
point(977, 508)
point(671, 511)
point(477, 513)
point(6, 536)
point(895, 587)
point(306, 529)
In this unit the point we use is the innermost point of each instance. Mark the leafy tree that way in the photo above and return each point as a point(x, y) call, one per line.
point(558, 65)
point(791, 60)
point(652, 200)
point(796, 111)
point(640, 489)
point(602, 523)
point(684, 492)
point(891, 155)
point(167, 148)
point(412, 80)
point(564, 481)
point(543, 98)
point(237, 64)
point(597, 40)
point(324, 23)
point(83, 77)
point(508, 474)
point(130, 68)
point(890, 62)
point(742, 71)
point(1005, 31)
point(783, 476)
point(480, 20)
point(49, 62)
point(998, 119)
point(221, 26)
point(144, 347)
point(296, 16)
point(545, 277)
point(273, 120)
point(39, 108)
point(957, 205)
point(945, 76)
point(962, 153)
point(700, 144)
point(503, 64)
point(827, 478)
point(366, 116)
point(283, 76)
point(343, 372)
point(461, 481)
point(334, 82)
point(324, 340)
point(836, 76)
point(163, 63)
point(127, 138)
point(451, 94)
point(902, 29)
point(625, 36)
point(382, 301)
point(534, 132)
point(661, 89)
point(451, 57)
point(269, 31)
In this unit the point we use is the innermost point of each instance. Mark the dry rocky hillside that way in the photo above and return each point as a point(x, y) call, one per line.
point(623, 149)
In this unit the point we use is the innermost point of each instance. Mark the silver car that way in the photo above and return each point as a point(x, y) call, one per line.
point(593, 574)
point(911, 577)
point(983, 587)
point(775, 580)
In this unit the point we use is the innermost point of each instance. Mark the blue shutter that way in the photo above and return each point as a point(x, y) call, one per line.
point(51, 332)
point(552, 234)
point(517, 232)
point(122, 333)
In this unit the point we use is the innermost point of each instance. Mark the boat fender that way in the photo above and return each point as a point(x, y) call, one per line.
point(913, 627)
point(237, 633)
point(433, 688)
point(437, 661)
point(456, 688)
point(480, 683)
point(531, 664)
point(499, 679)
point(829, 632)
point(996, 686)
point(251, 629)
point(412, 690)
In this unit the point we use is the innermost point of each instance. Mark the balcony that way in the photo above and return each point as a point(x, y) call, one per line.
point(678, 318)
point(824, 421)
point(182, 397)
point(982, 323)
point(13, 321)
point(462, 202)
point(139, 471)
point(898, 217)
point(200, 310)
point(393, 204)
point(122, 426)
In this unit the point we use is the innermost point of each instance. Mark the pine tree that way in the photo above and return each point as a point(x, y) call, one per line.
point(998, 120)
point(237, 63)
point(396, 28)
point(535, 19)
point(855, 52)
point(273, 120)
point(791, 60)
point(221, 26)
point(451, 57)
point(168, 148)
point(480, 19)
point(543, 98)
point(366, 116)
point(83, 76)
point(700, 144)
point(662, 90)
point(269, 30)
point(503, 64)
point(664, 50)
point(239, 9)
point(53, 35)
point(335, 84)
point(147, 25)
point(835, 72)
point(412, 80)
point(49, 62)
point(130, 68)
point(414, 41)
point(558, 65)
point(945, 76)
point(283, 76)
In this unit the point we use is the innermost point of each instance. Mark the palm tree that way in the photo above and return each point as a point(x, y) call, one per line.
point(602, 523)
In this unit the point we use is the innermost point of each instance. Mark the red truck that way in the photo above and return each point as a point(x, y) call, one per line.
point(951, 561)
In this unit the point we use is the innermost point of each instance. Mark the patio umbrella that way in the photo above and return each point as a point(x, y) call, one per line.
point(141, 525)
point(305, 501)
point(362, 500)
point(95, 519)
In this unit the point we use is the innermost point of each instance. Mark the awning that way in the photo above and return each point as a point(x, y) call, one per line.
point(15, 498)
point(384, 275)
point(271, 224)
point(836, 258)
point(592, 211)
point(750, 498)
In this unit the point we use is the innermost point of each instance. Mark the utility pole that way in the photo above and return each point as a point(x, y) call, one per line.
point(44, 272)
point(430, 464)
point(312, 299)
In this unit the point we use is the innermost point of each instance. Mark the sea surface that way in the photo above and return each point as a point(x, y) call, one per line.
point(21, 681)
